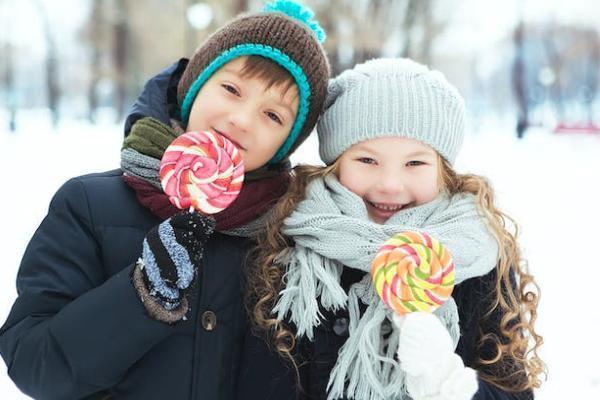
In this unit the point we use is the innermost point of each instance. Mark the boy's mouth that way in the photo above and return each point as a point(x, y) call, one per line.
point(239, 146)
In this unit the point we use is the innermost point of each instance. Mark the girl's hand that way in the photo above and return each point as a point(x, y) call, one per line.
point(426, 354)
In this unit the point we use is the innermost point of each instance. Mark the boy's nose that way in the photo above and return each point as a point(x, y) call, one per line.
point(241, 118)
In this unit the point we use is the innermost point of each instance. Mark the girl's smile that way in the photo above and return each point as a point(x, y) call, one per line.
point(383, 210)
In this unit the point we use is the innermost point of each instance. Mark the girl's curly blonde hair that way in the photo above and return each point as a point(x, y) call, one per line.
point(515, 365)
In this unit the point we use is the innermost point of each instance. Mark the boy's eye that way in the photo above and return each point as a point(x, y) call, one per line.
point(366, 160)
point(414, 163)
point(274, 117)
point(231, 89)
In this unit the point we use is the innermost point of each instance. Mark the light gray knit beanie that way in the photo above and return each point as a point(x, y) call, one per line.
point(391, 97)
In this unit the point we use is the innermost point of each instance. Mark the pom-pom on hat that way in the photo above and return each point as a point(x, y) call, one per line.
point(284, 32)
point(391, 97)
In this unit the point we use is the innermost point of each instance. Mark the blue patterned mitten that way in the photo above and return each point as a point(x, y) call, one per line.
point(171, 255)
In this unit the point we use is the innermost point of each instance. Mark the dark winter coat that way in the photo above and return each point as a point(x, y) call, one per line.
point(78, 328)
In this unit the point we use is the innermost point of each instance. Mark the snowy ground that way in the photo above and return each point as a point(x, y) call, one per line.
point(547, 182)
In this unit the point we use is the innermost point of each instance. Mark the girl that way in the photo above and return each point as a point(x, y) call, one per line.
point(389, 135)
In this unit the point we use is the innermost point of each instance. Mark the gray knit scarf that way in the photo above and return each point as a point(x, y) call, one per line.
point(331, 230)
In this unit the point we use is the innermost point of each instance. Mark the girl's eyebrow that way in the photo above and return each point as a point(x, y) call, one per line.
point(420, 153)
point(364, 146)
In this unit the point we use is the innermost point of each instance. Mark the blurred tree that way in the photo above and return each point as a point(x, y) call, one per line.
point(572, 53)
point(358, 30)
point(121, 55)
point(94, 36)
point(9, 85)
point(592, 76)
point(51, 64)
point(240, 6)
point(519, 80)
point(189, 35)
point(555, 45)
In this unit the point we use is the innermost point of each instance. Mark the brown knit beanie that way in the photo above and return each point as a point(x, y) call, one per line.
point(283, 32)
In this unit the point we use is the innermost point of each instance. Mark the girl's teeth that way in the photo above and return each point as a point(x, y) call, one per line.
point(386, 208)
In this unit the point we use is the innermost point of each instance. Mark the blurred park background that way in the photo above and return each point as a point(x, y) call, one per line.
point(535, 61)
point(529, 70)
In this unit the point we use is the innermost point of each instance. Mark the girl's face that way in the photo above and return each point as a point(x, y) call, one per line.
point(390, 174)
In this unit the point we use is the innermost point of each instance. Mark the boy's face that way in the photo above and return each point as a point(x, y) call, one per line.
point(256, 119)
point(390, 174)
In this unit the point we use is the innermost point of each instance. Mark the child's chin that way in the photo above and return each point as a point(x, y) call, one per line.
point(378, 216)
point(378, 219)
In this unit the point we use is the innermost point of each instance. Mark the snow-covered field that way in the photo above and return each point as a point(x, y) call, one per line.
point(548, 182)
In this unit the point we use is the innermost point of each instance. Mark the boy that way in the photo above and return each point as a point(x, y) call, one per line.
point(114, 303)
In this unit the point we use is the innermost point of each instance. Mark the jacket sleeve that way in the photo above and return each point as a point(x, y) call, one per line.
point(72, 332)
point(474, 298)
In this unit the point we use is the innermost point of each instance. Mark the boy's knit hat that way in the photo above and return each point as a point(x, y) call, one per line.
point(284, 32)
point(391, 97)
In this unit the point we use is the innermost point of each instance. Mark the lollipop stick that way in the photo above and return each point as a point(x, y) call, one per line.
point(191, 210)
point(398, 320)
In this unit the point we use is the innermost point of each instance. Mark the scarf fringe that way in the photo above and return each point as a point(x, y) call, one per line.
point(366, 367)
point(302, 277)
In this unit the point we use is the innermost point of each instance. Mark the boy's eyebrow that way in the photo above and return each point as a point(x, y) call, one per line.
point(279, 99)
point(234, 71)
point(287, 107)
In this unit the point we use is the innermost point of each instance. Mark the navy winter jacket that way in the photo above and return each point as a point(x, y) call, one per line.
point(79, 330)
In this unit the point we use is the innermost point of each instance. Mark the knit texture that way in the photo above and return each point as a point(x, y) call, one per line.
point(284, 33)
point(391, 97)
point(331, 230)
point(171, 255)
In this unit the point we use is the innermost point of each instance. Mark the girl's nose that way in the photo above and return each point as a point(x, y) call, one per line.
point(391, 183)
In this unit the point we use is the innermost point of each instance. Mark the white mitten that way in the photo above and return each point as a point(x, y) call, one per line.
point(426, 354)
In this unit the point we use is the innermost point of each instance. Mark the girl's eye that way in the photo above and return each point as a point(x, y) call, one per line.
point(366, 160)
point(274, 117)
point(414, 163)
point(231, 89)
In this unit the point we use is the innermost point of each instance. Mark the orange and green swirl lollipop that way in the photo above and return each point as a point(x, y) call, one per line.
point(413, 272)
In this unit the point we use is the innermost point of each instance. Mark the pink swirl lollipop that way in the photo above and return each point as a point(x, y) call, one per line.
point(203, 171)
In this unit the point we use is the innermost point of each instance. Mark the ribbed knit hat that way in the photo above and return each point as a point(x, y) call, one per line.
point(284, 32)
point(391, 97)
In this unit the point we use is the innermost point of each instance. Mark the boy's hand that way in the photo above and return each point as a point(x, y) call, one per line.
point(426, 354)
point(171, 255)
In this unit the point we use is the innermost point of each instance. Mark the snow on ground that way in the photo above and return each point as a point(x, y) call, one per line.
point(547, 182)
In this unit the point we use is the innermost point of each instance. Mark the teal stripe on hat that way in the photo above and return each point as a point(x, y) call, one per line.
point(268, 52)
